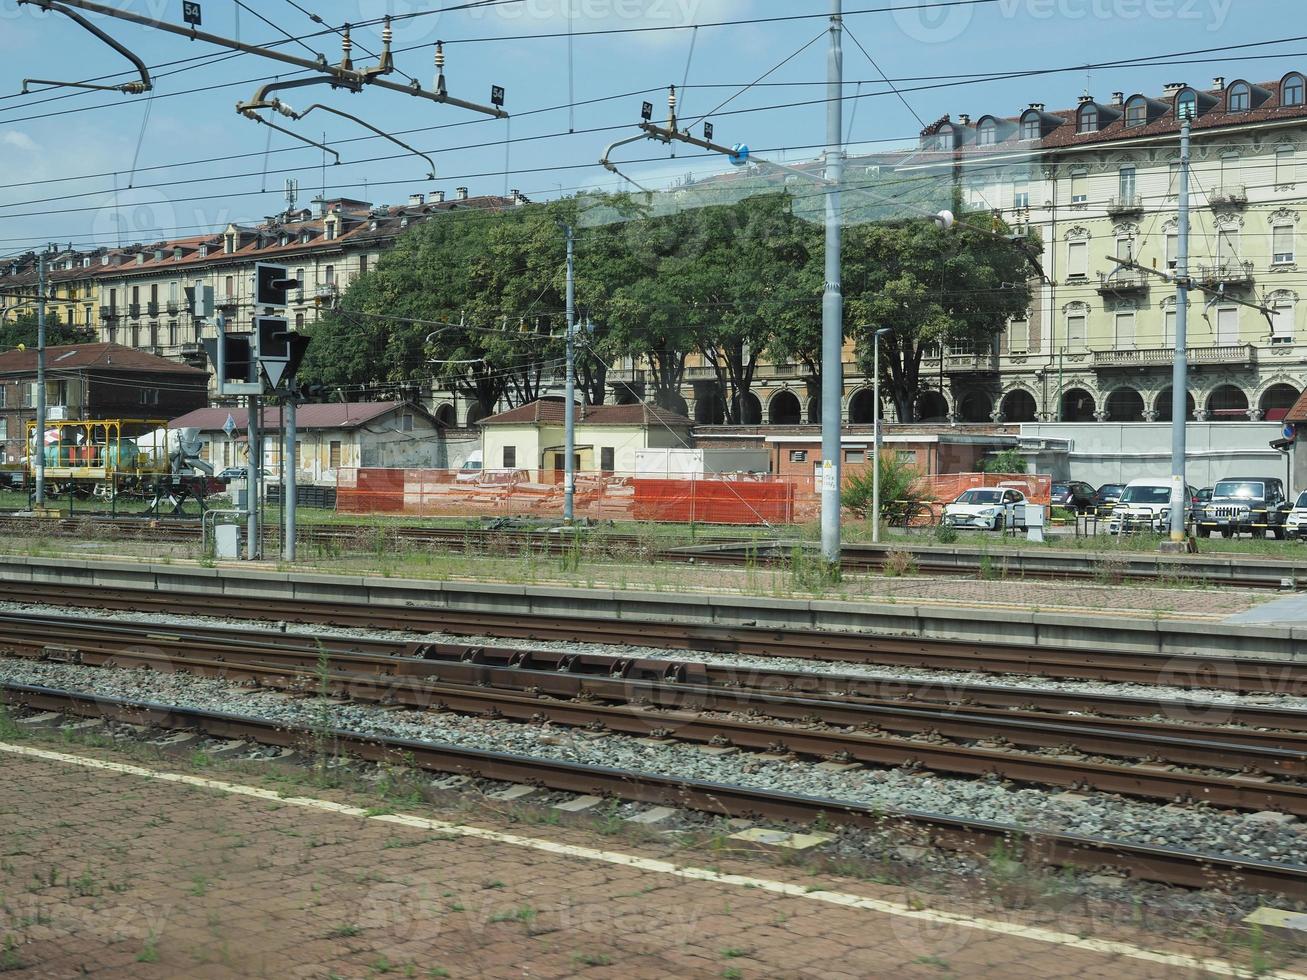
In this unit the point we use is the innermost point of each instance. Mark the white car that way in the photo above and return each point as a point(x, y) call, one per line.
point(990, 509)
point(1295, 524)
point(1145, 505)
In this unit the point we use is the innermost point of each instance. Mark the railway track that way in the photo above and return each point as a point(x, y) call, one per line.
point(717, 550)
point(868, 650)
point(1223, 767)
point(1173, 866)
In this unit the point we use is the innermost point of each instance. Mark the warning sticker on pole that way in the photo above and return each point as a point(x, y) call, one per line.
point(828, 475)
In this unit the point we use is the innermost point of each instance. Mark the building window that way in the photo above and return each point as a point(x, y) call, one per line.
point(1125, 248)
point(1186, 104)
point(299, 321)
point(299, 290)
point(363, 264)
point(798, 455)
point(1168, 327)
point(1087, 119)
point(172, 333)
point(3, 394)
point(1227, 242)
point(1077, 260)
point(333, 454)
point(1282, 244)
point(1079, 180)
point(1282, 323)
point(1172, 248)
point(1018, 337)
point(1126, 184)
point(329, 275)
point(607, 458)
point(1075, 331)
point(1227, 325)
point(149, 396)
point(1240, 98)
point(855, 455)
point(406, 422)
point(1136, 112)
point(1286, 165)
point(510, 457)
point(987, 133)
point(4, 430)
point(230, 287)
point(1020, 195)
point(229, 243)
point(1125, 331)
point(1292, 90)
point(1030, 126)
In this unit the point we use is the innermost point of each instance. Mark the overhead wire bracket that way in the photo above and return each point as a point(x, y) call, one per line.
point(145, 84)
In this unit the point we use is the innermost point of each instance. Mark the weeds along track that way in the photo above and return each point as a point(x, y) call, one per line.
point(1225, 766)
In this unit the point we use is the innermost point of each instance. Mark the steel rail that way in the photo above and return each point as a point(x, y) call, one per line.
point(1191, 869)
point(705, 723)
point(1220, 673)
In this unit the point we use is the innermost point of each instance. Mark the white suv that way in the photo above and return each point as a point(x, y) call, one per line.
point(1145, 505)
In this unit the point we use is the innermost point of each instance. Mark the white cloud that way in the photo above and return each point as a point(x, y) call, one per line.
point(17, 140)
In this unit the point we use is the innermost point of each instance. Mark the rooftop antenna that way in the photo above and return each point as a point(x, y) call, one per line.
point(292, 194)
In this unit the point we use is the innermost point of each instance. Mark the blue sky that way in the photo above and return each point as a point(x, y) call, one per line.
point(83, 160)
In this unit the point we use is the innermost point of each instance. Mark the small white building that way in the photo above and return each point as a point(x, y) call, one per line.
point(330, 436)
point(531, 436)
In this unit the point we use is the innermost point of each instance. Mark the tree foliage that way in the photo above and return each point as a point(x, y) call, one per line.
point(22, 331)
point(476, 300)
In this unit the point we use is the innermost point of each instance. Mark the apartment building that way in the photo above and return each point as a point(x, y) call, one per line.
point(138, 296)
point(1099, 181)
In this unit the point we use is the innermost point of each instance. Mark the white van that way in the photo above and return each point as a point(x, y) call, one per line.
point(470, 471)
point(1145, 505)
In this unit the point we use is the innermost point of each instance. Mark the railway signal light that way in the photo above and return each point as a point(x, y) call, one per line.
point(271, 284)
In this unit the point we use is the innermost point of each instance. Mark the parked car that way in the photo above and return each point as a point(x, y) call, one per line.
point(1295, 522)
point(470, 471)
point(1203, 495)
point(237, 473)
point(1251, 504)
point(1145, 505)
point(1073, 495)
point(1106, 496)
point(988, 509)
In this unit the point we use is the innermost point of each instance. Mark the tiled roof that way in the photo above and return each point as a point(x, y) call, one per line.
point(331, 415)
point(549, 411)
point(105, 358)
point(1298, 413)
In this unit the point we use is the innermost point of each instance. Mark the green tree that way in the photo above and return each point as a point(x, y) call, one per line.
point(933, 287)
point(22, 330)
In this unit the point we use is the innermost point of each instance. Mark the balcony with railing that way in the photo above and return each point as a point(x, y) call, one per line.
point(152, 308)
point(1122, 282)
point(1233, 355)
point(173, 308)
point(1124, 204)
point(1228, 196)
point(134, 310)
point(974, 362)
point(108, 313)
point(1227, 273)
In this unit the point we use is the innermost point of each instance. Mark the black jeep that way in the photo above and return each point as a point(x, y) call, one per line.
point(1252, 504)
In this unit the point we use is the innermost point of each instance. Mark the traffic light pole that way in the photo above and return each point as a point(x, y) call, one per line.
point(252, 479)
point(288, 487)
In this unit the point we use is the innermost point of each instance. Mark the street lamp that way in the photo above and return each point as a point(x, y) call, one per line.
point(875, 419)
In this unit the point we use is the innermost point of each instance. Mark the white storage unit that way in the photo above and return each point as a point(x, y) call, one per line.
point(681, 463)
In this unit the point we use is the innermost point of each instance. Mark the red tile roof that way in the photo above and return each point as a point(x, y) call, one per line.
point(331, 415)
point(106, 358)
point(1298, 413)
point(549, 411)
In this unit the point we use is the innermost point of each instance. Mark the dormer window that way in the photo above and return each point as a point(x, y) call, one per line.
point(1030, 126)
point(333, 229)
point(304, 238)
point(158, 255)
point(229, 243)
point(1087, 119)
point(1136, 112)
point(1292, 90)
point(987, 133)
point(944, 138)
point(1186, 104)
point(1239, 98)
point(204, 250)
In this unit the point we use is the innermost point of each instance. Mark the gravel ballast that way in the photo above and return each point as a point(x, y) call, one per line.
point(1196, 828)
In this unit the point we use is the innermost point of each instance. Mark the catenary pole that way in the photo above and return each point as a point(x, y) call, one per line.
point(253, 452)
point(289, 487)
point(39, 467)
point(1180, 373)
point(832, 307)
point(569, 404)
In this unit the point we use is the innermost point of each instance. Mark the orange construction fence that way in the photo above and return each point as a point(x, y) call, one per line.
point(721, 499)
point(716, 499)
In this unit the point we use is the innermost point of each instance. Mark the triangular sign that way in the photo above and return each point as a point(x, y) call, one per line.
point(229, 426)
point(274, 368)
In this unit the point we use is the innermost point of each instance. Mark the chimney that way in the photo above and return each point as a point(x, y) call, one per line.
point(417, 200)
point(964, 119)
point(460, 193)
point(1118, 98)
point(1037, 106)
point(438, 197)
point(1218, 81)
point(1172, 88)
point(1086, 98)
